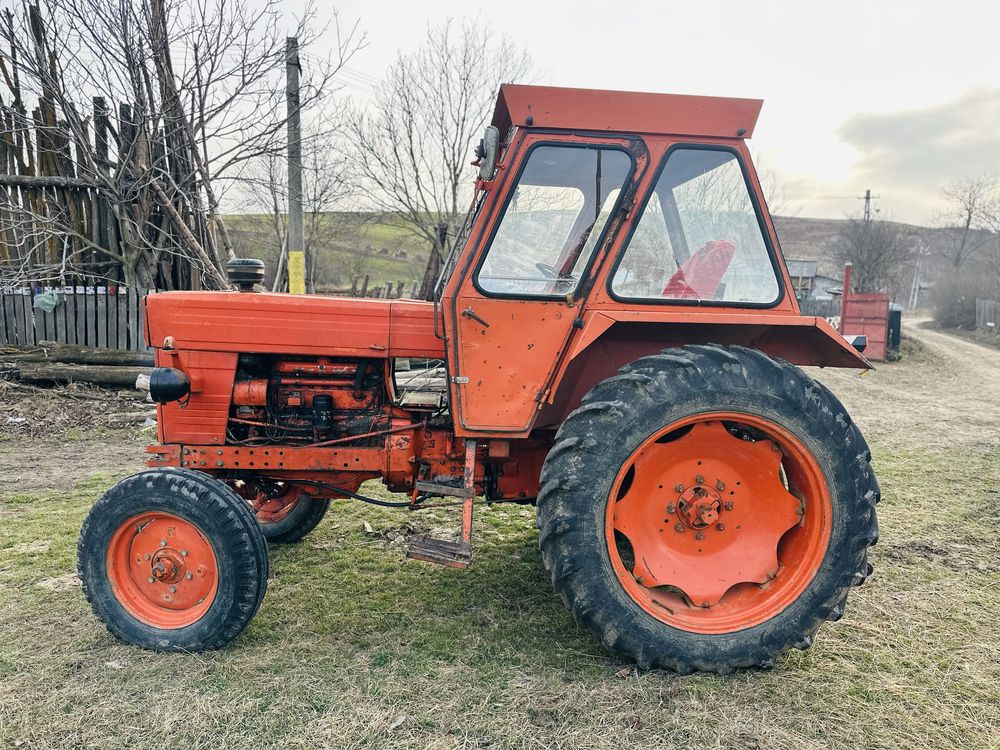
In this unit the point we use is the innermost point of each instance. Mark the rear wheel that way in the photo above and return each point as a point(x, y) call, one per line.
point(173, 560)
point(707, 508)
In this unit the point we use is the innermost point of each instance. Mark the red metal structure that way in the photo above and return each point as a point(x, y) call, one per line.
point(618, 347)
point(865, 315)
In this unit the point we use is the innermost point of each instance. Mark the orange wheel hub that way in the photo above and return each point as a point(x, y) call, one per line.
point(162, 570)
point(718, 522)
point(273, 509)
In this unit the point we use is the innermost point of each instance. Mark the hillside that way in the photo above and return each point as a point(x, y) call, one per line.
point(357, 244)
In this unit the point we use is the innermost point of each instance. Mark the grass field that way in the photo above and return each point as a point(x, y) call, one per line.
point(357, 647)
point(352, 244)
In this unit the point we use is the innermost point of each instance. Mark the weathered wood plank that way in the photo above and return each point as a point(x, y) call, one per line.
point(102, 317)
point(9, 328)
point(61, 319)
point(69, 300)
point(141, 335)
point(121, 313)
point(81, 315)
point(134, 337)
point(91, 316)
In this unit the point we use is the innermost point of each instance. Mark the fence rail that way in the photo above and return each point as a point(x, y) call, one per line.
point(988, 315)
point(101, 317)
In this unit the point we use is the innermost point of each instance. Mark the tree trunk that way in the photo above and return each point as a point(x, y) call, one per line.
point(44, 372)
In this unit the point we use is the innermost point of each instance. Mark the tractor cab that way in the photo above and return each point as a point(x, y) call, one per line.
point(607, 225)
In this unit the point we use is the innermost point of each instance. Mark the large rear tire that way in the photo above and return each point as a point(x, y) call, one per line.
point(707, 509)
point(173, 560)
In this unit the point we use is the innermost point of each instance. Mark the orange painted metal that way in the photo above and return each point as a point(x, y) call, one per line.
point(517, 374)
point(624, 111)
point(162, 570)
point(716, 542)
point(292, 324)
point(250, 392)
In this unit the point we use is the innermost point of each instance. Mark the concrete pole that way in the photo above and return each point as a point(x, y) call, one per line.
point(296, 250)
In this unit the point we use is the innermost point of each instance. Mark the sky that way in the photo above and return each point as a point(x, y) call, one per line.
point(896, 97)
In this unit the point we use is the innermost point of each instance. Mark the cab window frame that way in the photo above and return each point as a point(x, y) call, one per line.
point(602, 239)
point(640, 211)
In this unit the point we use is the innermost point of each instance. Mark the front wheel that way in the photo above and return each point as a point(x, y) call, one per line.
point(173, 560)
point(707, 509)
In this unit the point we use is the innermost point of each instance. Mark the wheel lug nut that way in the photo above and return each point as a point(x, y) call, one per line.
point(679, 487)
point(720, 526)
point(671, 508)
point(184, 553)
point(163, 542)
point(719, 485)
point(699, 536)
point(152, 580)
point(699, 479)
point(728, 505)
point(173, 589)
point(679, 528)
point(188, 577)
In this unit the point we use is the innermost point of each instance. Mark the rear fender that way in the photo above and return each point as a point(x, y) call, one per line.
point(608, 340)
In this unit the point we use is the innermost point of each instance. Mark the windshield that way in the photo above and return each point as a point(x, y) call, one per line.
point(553, 220)
point(698, 237)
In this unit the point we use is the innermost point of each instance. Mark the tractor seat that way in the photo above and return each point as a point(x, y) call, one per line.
point(700, 275)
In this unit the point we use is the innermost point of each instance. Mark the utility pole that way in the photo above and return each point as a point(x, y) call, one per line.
point(868, 204)
point(296, 250)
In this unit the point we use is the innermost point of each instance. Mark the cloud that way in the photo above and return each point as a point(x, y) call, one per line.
point(909, 155)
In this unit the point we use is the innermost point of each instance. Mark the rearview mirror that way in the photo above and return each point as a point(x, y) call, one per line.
point(487, 153)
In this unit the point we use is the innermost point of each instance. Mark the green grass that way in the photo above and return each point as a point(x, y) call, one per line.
point(352, 243)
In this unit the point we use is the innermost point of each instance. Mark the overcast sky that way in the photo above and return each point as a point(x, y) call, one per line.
point(899, 97)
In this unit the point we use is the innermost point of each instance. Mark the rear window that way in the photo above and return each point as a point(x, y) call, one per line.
point(698, 237)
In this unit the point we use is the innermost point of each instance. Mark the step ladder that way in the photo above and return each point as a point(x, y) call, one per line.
point(443, 551)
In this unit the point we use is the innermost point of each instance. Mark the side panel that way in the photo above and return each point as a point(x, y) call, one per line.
point(203, 419)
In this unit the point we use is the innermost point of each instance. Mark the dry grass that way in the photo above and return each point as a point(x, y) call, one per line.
point(356, 647)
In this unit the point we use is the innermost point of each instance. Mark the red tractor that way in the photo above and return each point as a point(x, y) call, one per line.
point(617, 343)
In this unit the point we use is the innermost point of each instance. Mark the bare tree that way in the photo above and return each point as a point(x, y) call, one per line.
point(265, 183)
point(880, 251)
point(197, 84)
point(973, 211)
point(412, 145)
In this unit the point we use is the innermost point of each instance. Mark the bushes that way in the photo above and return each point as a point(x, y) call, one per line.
point(954, 299)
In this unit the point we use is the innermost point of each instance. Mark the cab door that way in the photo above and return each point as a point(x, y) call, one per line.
point(510, 311)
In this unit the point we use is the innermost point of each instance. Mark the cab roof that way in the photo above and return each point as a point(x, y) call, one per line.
point(551, 107)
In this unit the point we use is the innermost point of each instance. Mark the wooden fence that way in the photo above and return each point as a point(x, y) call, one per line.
point(988, 315)
point(103, 317)
point(820, 308)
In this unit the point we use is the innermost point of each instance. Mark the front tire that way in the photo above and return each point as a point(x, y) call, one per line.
point(173, 560)
point(707, 509)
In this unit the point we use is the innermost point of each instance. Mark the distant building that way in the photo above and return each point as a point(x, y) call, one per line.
point(808, 283)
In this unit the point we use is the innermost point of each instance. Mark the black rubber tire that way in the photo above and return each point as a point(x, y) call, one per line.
point(615, 417)
point(225, 520)
point(303, 518)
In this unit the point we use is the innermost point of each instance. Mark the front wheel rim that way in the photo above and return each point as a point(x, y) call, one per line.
point(718, 522)
point(162, 570)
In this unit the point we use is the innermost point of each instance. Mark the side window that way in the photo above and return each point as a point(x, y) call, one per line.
point(554, 220)
point(698, 237)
